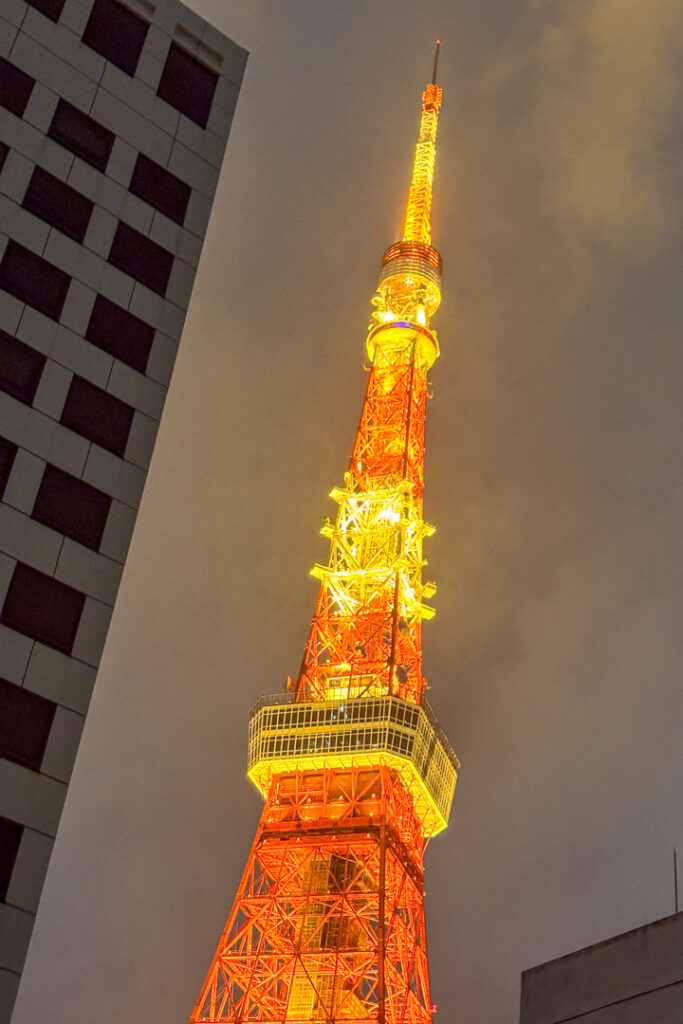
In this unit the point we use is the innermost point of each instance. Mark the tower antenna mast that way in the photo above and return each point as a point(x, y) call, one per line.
point(437, 50)
point(328, 922)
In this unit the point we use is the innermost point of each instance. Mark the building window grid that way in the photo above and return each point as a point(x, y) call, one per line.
point(10, 838)
point(33, 280)
point(116, 33)
point(41, 607)
point(25, 723)
point(72, 507)
point(120, 333)
point(15, 87)
point(52, 9)
point(161, 189)
point(97, 415)
point(58, 204)
point(141, 258)
point(21, 368)
point(82, 135)
point(8, 451)
point(188, 85)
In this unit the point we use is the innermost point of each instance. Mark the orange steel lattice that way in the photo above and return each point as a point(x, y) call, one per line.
point(328, 921)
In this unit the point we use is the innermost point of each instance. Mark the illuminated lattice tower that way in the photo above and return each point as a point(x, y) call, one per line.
point(328, 921)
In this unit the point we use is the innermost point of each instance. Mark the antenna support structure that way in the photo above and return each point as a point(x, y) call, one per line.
point(357, 775)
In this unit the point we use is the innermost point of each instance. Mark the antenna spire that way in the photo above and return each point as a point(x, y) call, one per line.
point(356, 772)
point(417, 223)
point(437, 49)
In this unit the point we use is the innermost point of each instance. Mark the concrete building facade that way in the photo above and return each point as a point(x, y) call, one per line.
point(634, 978)
point(114, 118)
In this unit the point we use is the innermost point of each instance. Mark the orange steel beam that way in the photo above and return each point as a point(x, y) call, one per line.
point(328, 921)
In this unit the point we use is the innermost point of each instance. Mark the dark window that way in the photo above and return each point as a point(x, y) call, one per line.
point(187, 85)
point(4, 150)
point(142, 258)
point(10, 837)
point(119, 333)
point(20, 368)
point(98, 416)
point(116, 33)
point(7, 453)
point(58, 204)
point(83, 136)
point(32, 279)
point(71, 506)
point(50, 8)
point(25, 723)
point(160, 188)
point(42, 608)
point(15, 87)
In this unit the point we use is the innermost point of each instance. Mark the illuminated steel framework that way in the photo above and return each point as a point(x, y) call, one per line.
point(357, 775)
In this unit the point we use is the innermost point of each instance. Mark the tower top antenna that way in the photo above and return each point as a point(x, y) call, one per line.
point(350, 799)
point(417, 225)
point(437, 48)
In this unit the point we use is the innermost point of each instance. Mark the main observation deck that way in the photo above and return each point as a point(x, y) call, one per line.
point(285, 736)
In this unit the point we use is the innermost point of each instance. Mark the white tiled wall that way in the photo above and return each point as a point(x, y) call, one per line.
point(64, 66)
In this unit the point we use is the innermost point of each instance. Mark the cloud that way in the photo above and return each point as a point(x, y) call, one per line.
point(595, 88)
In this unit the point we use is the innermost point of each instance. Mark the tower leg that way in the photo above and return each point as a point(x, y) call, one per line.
point(328, 921)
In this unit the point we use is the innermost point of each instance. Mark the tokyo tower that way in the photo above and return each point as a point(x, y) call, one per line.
point(357, 775)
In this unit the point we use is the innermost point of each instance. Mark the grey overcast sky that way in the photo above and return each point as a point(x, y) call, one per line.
point(553, 477)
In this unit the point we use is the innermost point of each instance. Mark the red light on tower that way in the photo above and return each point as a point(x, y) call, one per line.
point(328, 920)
